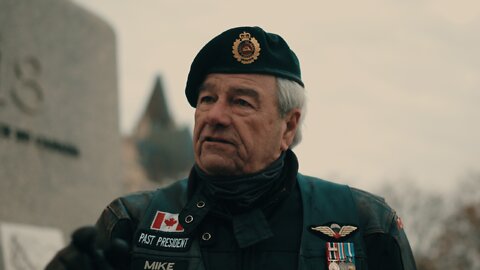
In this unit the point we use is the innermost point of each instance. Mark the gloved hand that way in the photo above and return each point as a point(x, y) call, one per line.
point(81, 254)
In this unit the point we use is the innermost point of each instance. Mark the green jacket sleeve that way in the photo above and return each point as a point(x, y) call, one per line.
point(389, 250)
point(386, 244)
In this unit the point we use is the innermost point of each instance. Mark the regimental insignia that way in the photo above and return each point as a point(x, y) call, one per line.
point(334, 230)
point(399, 223)
point(246, 49)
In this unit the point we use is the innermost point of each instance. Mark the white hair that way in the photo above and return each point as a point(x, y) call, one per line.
point(291, 95)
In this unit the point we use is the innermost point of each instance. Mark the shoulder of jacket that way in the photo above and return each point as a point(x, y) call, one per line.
point(318, 182)
point(133, 206)
point(122, 216)
point(376, 216)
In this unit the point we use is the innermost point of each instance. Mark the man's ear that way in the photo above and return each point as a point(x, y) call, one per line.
point(292, 120)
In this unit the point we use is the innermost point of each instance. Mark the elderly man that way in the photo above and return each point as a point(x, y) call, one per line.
point(244, 204)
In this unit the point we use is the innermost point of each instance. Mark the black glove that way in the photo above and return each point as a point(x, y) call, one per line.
point(81, 254)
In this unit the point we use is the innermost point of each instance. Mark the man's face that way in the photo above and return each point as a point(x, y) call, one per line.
point(238, 129)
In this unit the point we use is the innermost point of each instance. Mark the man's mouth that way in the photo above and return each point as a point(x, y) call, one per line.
point(217, 140)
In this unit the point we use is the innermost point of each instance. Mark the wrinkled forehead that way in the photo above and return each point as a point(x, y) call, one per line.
point(258, 86)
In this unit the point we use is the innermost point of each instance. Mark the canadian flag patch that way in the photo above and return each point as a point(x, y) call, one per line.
point(166, 222)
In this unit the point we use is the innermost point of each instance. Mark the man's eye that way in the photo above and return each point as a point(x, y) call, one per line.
point(242, 102)
point(206, 99)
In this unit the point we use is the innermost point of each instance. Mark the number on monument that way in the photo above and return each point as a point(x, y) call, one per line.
point(27, 94)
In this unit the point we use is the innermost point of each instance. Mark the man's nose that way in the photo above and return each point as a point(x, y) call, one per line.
point(219, 114)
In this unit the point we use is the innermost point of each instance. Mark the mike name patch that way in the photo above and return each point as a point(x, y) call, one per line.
point(159, 264)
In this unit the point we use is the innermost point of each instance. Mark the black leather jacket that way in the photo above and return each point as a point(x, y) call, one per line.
point(380, 241)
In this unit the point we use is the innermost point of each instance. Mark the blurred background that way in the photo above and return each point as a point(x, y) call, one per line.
point(393, 93)
point(393, 87)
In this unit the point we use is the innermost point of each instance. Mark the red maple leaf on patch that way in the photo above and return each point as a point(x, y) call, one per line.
point(170, 222)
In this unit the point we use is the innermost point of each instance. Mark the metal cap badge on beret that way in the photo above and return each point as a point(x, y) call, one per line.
point(243, 50)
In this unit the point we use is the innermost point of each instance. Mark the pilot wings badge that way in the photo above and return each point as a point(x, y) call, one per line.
point(334, 230)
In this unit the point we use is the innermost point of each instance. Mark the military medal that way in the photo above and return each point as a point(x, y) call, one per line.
point(332, 256)
point(350, 252)
point(340, 256)
point(350, 256)
point(333, 266)
point(342, 266)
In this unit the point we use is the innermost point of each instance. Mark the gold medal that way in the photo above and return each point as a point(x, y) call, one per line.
point(343, 266)
point(351, 266)
point(246, 49)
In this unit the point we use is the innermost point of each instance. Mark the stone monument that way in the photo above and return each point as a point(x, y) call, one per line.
point(59, 133)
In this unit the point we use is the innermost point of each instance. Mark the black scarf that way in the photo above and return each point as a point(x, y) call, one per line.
point(247, 200)
point(246, 191)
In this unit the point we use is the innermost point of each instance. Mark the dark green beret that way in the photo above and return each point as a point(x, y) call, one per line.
point(243, 50)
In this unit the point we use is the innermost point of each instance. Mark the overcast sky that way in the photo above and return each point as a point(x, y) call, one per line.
point(393, 86)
